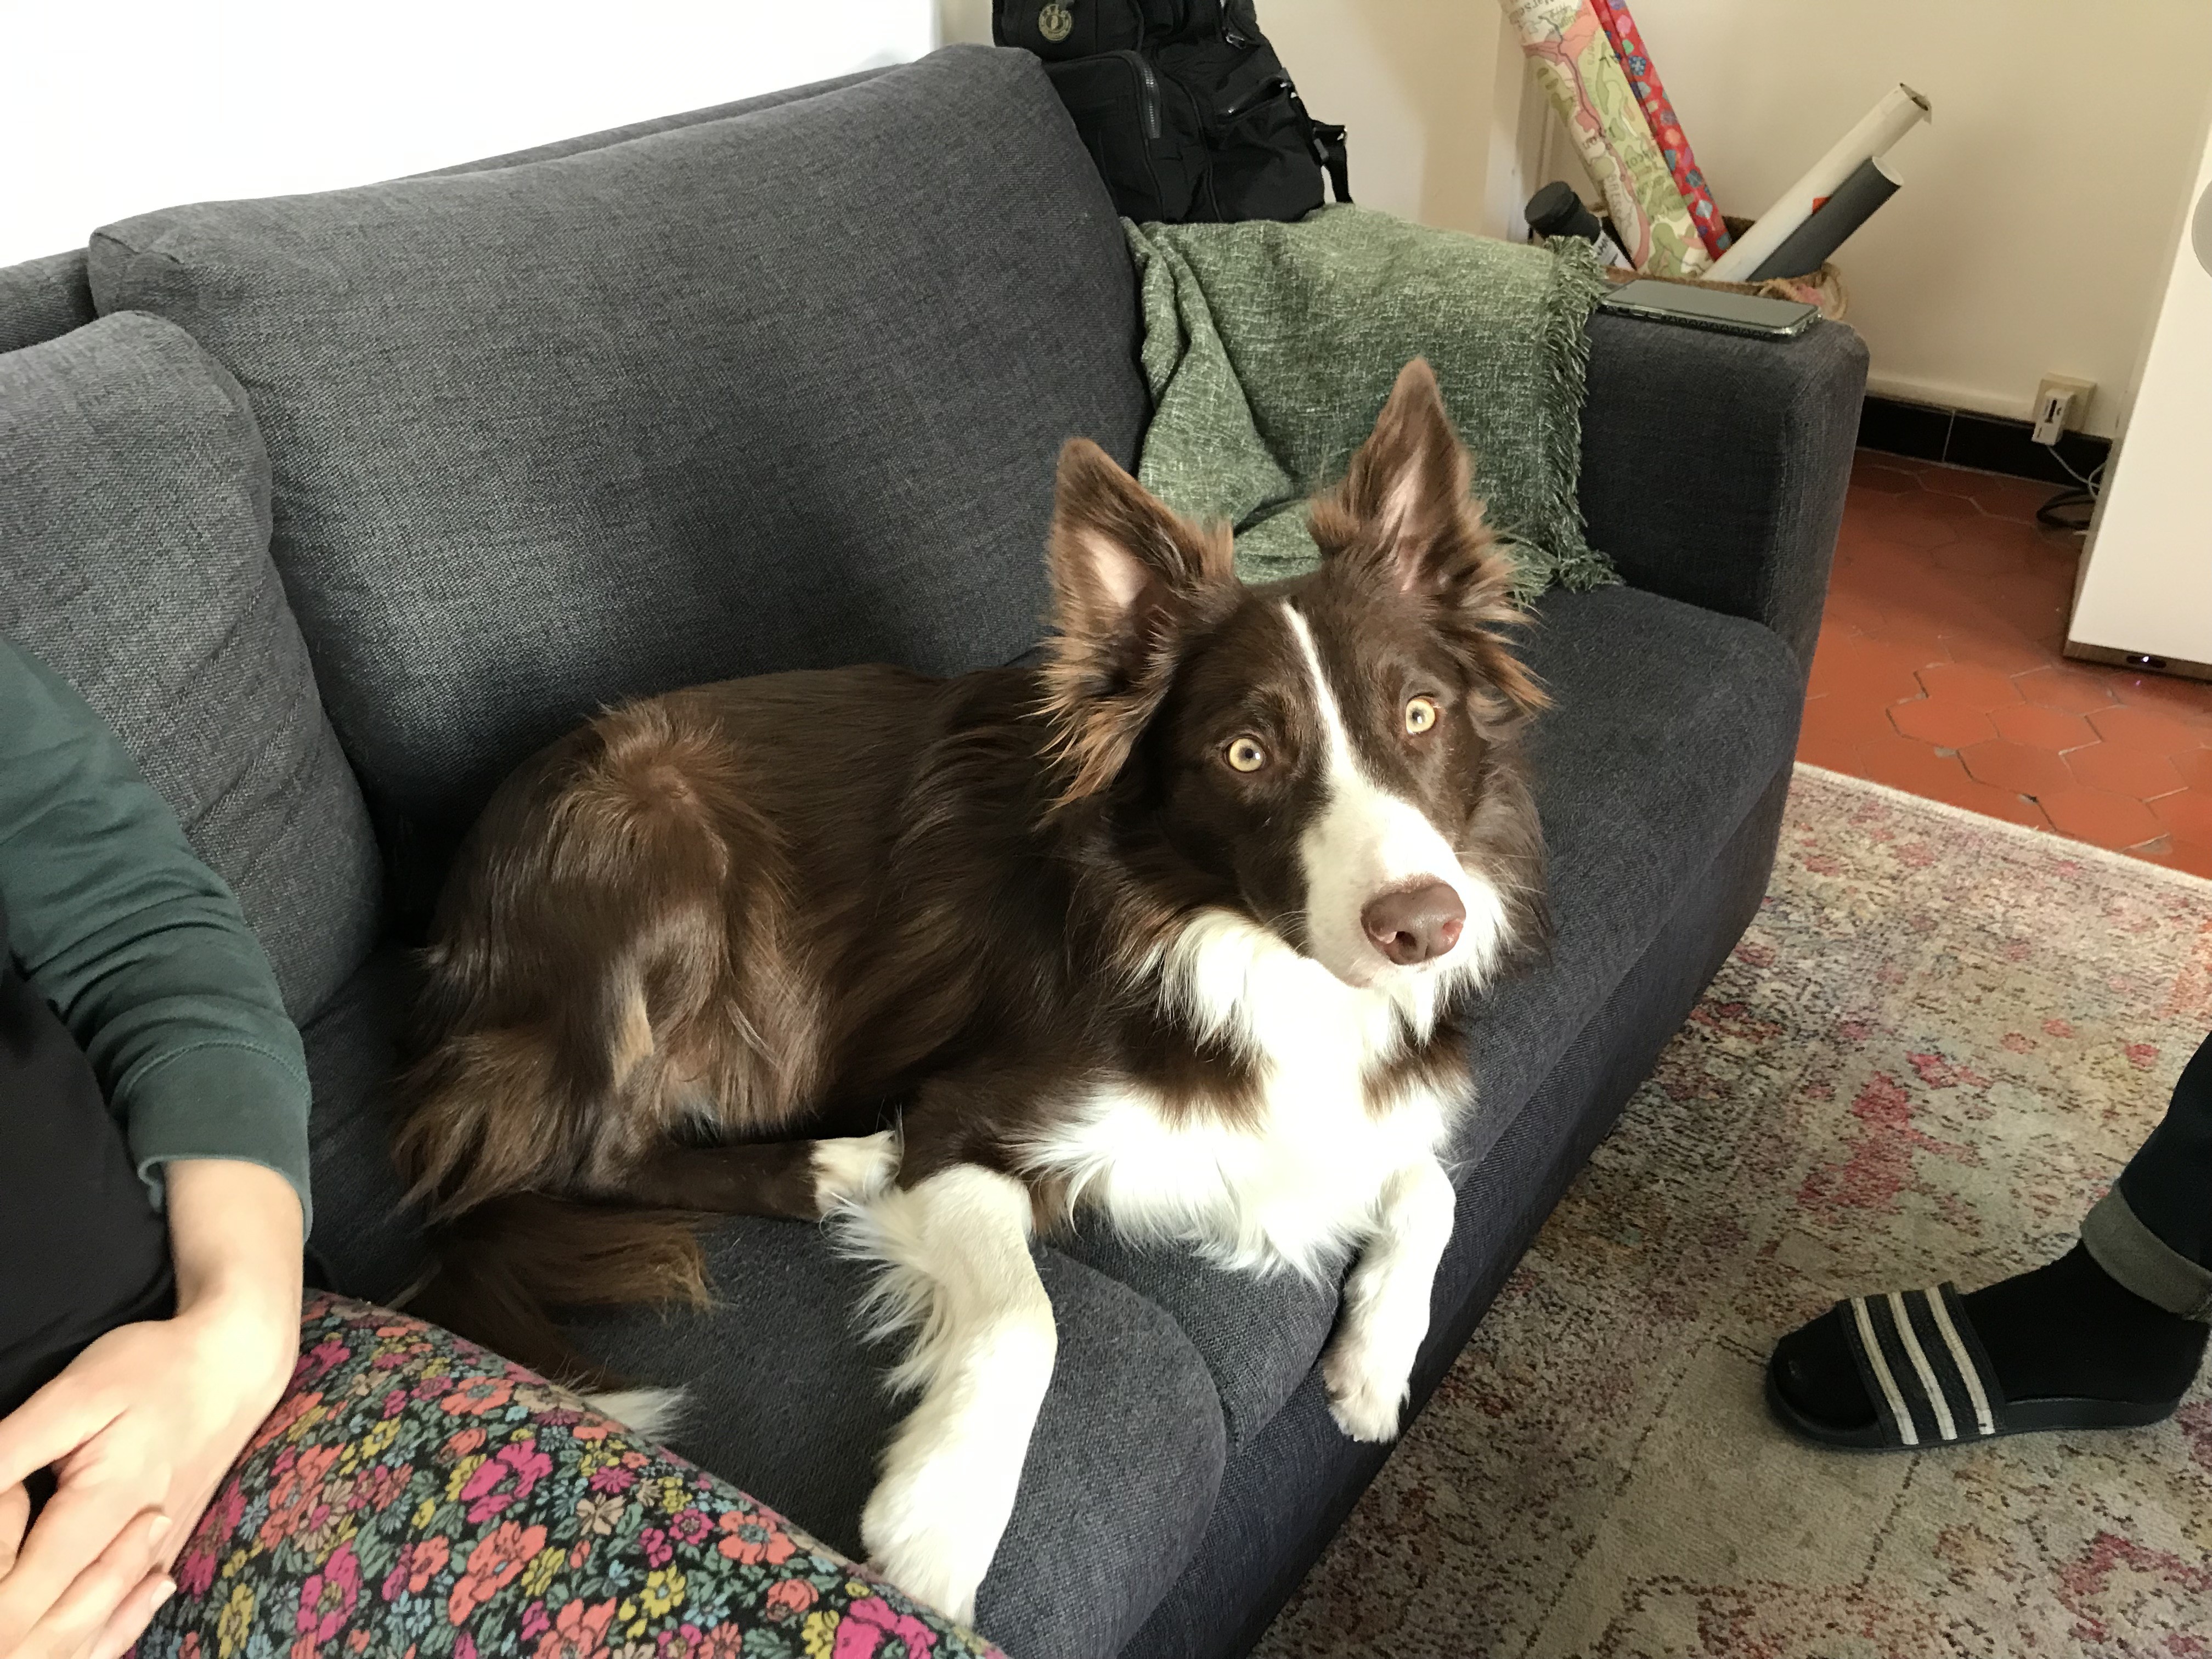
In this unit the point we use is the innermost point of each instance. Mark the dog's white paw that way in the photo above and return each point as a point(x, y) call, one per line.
point(854, 1168)
point(925, 1555)
point(1364, 1398)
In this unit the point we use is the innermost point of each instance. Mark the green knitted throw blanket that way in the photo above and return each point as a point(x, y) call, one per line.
point(1269, 348)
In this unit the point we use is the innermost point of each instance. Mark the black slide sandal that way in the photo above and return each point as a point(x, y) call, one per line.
point(1931, 1382)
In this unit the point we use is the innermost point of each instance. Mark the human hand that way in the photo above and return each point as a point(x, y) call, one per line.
point(139, 1431)
point(140, 1428)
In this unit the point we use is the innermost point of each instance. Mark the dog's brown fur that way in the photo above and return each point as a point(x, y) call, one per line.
point(708, 927)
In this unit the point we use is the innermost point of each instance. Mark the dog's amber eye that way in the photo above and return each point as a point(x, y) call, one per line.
point(1246, 754)
point(1420, 715)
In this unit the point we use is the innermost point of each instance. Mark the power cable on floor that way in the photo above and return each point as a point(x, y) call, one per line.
point(2060, 512)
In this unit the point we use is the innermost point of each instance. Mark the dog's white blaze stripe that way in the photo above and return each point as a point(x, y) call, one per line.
point(957, 1273)
point(1975, 1392)
point(1902, 1416)
point(1944, 1424)
point(1367, 839)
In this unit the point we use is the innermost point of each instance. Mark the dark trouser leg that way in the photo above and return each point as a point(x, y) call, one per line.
point(2153, 1231)
point(81, 1246)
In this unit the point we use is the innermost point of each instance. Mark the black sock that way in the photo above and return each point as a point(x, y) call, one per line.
point(2067, 1330)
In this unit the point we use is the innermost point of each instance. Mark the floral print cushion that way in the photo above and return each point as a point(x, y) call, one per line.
point(415, 1496)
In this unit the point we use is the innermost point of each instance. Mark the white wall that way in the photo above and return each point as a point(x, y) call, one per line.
point(136, 105)
point(2031, 236)
point(2147, 585)
point(1414, 81)
point(2032, 232)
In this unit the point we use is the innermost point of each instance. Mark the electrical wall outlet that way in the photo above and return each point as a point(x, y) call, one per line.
point(2061, 404)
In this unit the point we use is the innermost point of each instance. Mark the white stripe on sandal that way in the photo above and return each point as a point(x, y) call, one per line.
point(1898, 1312)
point(1900, 1414)
point(1983, 1418)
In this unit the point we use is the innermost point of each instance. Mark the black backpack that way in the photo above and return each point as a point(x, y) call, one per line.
point(1183, 105)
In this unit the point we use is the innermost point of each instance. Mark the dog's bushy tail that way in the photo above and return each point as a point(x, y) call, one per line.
point(504, 1267)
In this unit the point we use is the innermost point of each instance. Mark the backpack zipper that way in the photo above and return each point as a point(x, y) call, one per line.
point(1274, 89)
point(1151, 84)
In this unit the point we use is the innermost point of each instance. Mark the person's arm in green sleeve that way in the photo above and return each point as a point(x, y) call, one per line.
point(140, 947)
point(144, 954)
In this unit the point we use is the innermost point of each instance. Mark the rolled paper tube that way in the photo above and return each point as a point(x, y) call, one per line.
point(1885, 124)
point(1854, 202)
point(1666, 126)
point(1575, 66)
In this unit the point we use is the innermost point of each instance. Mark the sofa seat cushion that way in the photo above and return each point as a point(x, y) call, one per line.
point(786, 1399)
point(776, 390)
point(134, 560)
point(1668, 723)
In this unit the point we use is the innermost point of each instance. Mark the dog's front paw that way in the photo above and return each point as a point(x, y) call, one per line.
point(919, 1546)
point(1363, 1398)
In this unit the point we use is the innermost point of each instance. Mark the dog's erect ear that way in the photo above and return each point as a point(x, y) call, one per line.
point(1128, 577)
point(1120, 560)
point(1407, 487)
point(1403, 513)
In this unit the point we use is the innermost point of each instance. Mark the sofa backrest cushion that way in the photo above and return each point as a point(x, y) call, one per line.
point(42, 299)
point(134, 560)
point(777, 390)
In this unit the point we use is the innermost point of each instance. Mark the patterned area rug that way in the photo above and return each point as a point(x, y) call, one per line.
point(1936, 1044)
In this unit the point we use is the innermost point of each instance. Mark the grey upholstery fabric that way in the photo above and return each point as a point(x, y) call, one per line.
point(1714, 465)
point(1668, 721)
point(1284, 1494)
point(776, 391)
point(787, 1401)
point(134, 559)
point(41, 299)
point(367, 1242)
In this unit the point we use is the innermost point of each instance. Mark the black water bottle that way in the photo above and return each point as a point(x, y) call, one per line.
point(1556, 210)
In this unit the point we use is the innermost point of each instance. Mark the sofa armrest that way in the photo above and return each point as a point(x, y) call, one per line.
point(1714, 465)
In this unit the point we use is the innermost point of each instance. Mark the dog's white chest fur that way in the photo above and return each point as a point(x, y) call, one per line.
point(1299, 1182)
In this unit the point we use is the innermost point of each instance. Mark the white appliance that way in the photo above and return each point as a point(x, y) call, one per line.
point(2145, 594)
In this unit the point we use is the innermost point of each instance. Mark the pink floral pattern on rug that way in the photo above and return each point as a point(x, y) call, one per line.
point(1936, 1044)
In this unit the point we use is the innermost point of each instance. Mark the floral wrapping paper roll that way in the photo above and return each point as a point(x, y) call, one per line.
point(1579, 73)
point(1665, 128)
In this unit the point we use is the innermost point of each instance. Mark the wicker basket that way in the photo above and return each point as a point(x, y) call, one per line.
point(1823, 288)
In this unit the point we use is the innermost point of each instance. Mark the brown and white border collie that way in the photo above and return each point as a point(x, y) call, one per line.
point(1173, 928)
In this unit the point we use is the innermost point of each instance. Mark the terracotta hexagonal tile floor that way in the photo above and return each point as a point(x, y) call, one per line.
point(1939, 673)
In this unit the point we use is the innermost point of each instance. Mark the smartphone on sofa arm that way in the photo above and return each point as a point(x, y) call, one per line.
point(1712, 307)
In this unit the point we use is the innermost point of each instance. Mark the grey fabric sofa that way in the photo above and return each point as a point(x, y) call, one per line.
point(780, 384)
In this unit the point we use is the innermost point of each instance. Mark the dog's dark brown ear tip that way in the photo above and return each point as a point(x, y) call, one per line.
point(1081, 458)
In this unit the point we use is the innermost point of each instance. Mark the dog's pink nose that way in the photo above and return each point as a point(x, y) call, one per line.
point(1416, 925)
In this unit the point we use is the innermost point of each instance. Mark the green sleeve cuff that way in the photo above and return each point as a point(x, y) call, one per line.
point(219, 1100)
